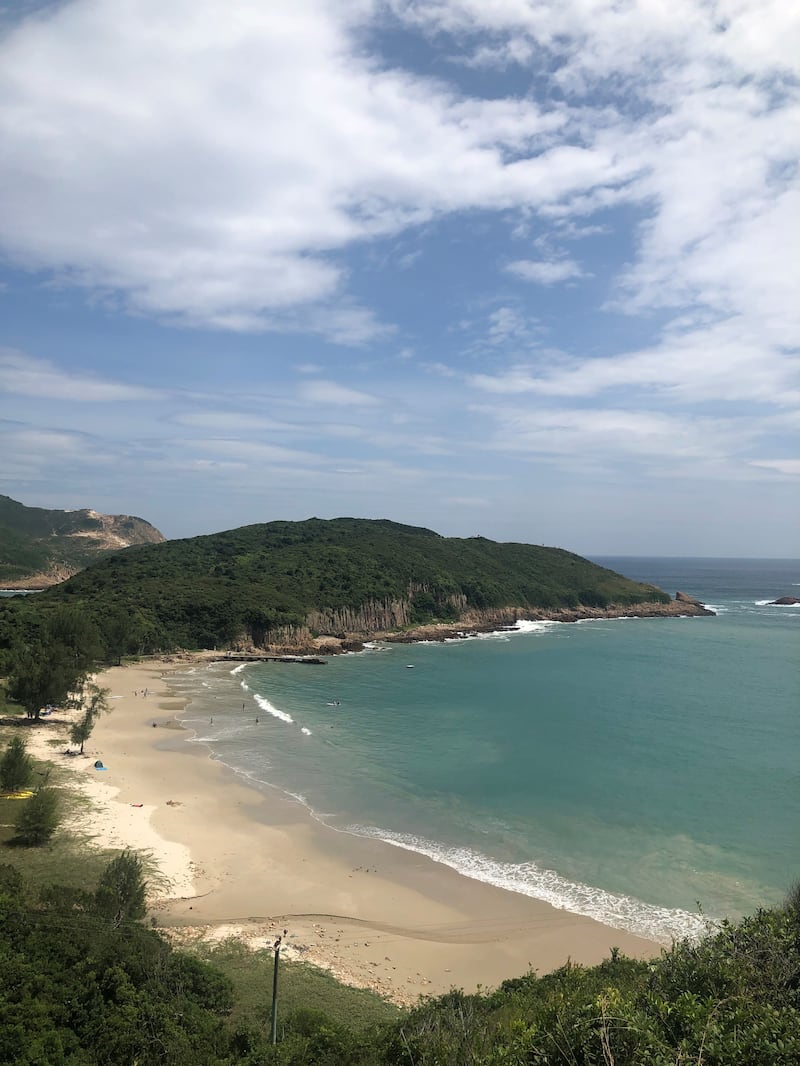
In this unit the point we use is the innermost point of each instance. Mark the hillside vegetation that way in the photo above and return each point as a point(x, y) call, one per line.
point(286, 582)
point(40, 547)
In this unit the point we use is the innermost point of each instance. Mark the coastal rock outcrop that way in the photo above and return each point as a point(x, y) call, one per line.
point(329, 632)
point(784, 601)
point(684, 597)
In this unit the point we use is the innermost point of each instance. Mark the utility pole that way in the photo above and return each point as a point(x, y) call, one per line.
point(277, 948)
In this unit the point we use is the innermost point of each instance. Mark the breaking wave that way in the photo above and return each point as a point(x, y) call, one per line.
point(662, 924)
point(265, 705)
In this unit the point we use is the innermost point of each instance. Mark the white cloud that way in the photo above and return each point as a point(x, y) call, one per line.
point(609, 39)
point(251, 453)
point(699, 105)
point(212, 163)
point(790, 467)
point(581, 445)
point(207, 162)
point(240, 421)
point(467, 501)
point(724, 361)
point(328, 393)
point(24, 375)
point(545, 271)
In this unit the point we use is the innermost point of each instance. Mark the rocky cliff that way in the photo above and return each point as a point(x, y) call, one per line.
point(346, 630)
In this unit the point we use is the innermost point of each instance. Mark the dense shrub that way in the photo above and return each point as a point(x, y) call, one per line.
point(38, 818)
point(16, 768)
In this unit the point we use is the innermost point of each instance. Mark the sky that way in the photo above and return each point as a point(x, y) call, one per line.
point(526, 269)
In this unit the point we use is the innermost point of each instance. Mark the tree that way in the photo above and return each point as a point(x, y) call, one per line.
point(81, 730)
point(118, 635)
point(39, 818)
point(71, 630)
point(16, 768)
point(55, 662)
point(122, 889)
point(94, 701)
point(43, 674)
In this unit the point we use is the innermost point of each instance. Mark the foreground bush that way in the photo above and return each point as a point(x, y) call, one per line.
point(731, 1000)
point(83, 982)
point(79, 988)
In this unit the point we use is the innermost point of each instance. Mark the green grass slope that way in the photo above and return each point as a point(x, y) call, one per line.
point(259, 581)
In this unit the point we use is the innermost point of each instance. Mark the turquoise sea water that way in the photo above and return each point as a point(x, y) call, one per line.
point(624, 769)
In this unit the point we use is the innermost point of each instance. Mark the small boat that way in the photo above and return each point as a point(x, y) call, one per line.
point(409, 666)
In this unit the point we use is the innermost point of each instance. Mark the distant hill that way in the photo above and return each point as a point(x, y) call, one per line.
point(39, 547)
point(289, 584)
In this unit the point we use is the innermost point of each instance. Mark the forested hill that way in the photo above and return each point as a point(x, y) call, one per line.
point(288, 582)
point(40, 547)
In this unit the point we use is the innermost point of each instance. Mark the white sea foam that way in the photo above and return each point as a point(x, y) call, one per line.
point(238, 669)
point(662, 924)
point(244, 686)
point(265, 705)
point(527, 625)
point(307, 732)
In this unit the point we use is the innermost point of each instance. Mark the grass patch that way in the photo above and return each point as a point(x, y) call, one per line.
point(65, 860)
point(301, 986)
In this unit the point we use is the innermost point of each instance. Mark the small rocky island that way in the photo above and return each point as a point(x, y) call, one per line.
point(785, 601)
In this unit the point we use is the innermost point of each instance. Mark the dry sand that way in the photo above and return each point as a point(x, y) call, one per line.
point(251, 862)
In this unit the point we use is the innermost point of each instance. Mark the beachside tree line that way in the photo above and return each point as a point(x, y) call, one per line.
point(51, 669)
point(47, 661)
point(39, 813)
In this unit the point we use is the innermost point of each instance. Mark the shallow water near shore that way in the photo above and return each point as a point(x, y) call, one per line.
point(622, 769)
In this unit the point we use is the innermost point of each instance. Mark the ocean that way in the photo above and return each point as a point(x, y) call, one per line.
point(645, 772)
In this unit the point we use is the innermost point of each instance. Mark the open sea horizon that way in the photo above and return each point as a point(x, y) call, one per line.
point(644, 772)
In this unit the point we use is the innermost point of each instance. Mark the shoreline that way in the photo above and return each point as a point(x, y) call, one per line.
point(249, 861)
point(474, 623)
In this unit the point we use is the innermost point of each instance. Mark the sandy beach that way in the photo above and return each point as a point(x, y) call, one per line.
point(239, 860)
